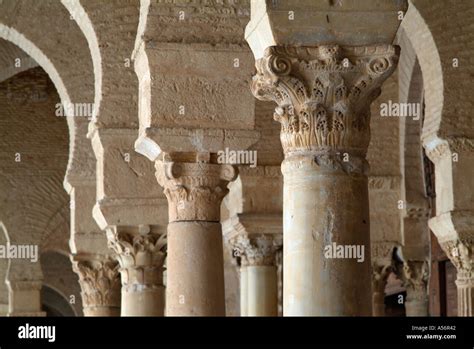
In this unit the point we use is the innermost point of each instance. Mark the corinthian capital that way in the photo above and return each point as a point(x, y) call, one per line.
point(323, 93)
point(415, 276)
point(194, 189)
point(141, 255)
point(256, 250)
point(461, 255)
point(99, 280)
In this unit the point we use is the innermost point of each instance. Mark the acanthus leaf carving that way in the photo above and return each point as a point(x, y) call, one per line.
point(99, 280)
point(194, 189)
point(461, 255)
point(323, 93)
point(141, 256)
point(415, 276)
point(256, 250)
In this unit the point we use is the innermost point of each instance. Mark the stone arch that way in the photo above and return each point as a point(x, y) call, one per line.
point(59, 276)
point(12, 35)
point(424, 45)
point(448, 129)
point(55, 303)
point(417, 208)
point(82, 19)
point(12, 53)
point(31, 204)
point(71, 71)
point(70, 68)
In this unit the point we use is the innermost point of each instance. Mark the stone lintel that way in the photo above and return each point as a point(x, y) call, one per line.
point(312, 23)
point(155, 141)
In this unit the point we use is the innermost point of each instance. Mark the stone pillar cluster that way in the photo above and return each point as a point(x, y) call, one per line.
point(148, 228)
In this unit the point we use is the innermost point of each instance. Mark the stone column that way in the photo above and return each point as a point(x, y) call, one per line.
point(460, 253)
point(194, 186)
point(324, 95)
point(259, 278)
point(244, 289)
point(415, 277)
point(141, 255)
point(100, 285)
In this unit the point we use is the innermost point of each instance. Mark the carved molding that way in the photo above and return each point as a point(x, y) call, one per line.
point(418, 213)
point(194, 189)
point(99, 280)
point(329, 161)
point(324, 93)
point(141, 255)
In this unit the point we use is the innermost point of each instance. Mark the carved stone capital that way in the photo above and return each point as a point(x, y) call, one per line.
point(324, 94)
point(415, 277)
point(256, 250)
point(99, 280)
point(194, 189)
point(380, 273)
point(460, 252)
point(141, 255)
point(446, 147)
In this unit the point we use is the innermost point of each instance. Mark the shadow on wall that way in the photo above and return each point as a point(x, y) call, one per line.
point(54, 304)
point(60, 294)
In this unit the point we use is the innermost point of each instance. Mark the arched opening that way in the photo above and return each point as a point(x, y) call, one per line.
point(54, 304)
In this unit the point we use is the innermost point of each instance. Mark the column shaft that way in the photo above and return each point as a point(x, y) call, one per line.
point(378, 303)
point(322, 208)
point(243, 291)
point(465, 287)
point(415, 278)
point(143, 302)
point(195, 269)
point(262, 296)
